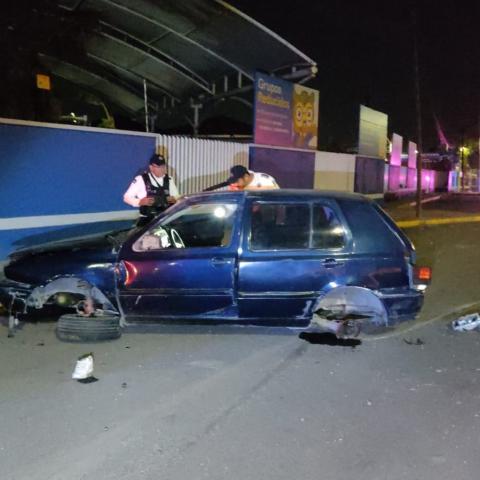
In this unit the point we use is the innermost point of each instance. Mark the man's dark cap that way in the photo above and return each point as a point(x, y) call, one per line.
point(157, 160)
point(237, 171)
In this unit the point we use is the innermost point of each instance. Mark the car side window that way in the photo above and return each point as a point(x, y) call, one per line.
point(327, 229)
point(200, 225)
point(276, 226)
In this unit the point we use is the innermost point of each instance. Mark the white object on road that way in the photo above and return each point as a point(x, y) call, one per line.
point(83, 367)
point(467, 323)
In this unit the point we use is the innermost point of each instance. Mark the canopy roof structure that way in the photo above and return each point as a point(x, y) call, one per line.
point(184, 54)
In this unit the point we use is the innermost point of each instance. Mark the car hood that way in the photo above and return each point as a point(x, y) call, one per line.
point(104, 241)
point(79, 257)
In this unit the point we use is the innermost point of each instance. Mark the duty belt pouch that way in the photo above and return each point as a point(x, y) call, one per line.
point(146, 211)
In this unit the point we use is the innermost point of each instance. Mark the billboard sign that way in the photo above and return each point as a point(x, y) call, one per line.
point(396, 155)
point(412, 155)
point(372, 133)
point(286, 114)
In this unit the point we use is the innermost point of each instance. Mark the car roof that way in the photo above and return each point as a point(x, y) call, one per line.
point(284, 193)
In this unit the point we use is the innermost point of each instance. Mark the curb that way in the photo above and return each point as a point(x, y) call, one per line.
point(437, 221)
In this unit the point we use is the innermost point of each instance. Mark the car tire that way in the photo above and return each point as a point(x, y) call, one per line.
point(78, 329)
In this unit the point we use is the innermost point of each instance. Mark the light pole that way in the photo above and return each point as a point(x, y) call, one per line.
point(462, 157)
point(419, 116)
point(465, 153)
point(462, 167)
point(478, 171)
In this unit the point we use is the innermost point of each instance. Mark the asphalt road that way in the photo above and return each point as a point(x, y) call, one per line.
point(251, 404)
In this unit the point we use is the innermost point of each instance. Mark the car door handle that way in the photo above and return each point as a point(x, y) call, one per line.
point(331, 263)
point(217, 261)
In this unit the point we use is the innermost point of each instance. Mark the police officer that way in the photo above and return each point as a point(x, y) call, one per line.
point(153, 191)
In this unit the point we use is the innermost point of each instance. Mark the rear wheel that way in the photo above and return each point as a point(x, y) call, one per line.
point(351, 311)
point(78, 329)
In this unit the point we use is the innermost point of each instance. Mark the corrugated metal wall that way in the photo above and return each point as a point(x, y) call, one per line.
point(196, 164)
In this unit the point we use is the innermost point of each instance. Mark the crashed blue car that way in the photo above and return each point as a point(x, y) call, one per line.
point(303, 259)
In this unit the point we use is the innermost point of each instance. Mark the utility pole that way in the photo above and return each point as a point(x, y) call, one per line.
point(419, 115)
point(462, 159)
point(196, 118)
point(145, 98)
point(478, 166)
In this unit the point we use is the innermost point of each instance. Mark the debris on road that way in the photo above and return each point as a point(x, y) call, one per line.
point(324, 338)
point(467, 323)
point(88, 380)
point(84, 368)
point(419, 341)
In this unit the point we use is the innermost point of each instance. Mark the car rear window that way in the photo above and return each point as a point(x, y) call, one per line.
point(370, 232)
point(394, 226)
point(286, 226)
point(327, 229)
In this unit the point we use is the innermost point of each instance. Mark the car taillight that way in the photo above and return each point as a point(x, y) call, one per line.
point(131, 273)
point(423, 274)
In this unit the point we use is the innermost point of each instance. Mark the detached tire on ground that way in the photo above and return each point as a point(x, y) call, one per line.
point(77, 329)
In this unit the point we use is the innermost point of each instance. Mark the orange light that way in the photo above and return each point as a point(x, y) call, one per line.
point(131, 273)
point(424, 273)
point(43, 82)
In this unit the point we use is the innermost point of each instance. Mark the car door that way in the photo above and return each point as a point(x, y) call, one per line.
point(290, 253)
point(183, 266)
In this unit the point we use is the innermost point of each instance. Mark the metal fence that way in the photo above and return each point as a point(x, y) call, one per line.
point(196, 164)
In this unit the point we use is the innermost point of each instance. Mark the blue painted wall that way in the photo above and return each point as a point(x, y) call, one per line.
point(55, 171)
point(291, 168)
point(369, 175)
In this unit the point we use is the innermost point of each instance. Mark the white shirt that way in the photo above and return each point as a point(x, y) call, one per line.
point(261, 181)
point(137, 190)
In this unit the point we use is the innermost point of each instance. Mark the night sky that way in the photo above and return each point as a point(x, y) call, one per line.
point(364, 52)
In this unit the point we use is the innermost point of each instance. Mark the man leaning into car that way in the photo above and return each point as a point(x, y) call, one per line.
point(243, 179)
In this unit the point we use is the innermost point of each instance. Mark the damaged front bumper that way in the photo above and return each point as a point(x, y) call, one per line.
point(13, 297)
point(21, 298)
point(11, 291)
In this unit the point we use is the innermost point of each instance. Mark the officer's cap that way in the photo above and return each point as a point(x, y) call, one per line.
point(157, 159)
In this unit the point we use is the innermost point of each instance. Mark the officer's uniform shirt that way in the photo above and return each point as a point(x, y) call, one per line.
point(137, 190)
point(261, 181)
